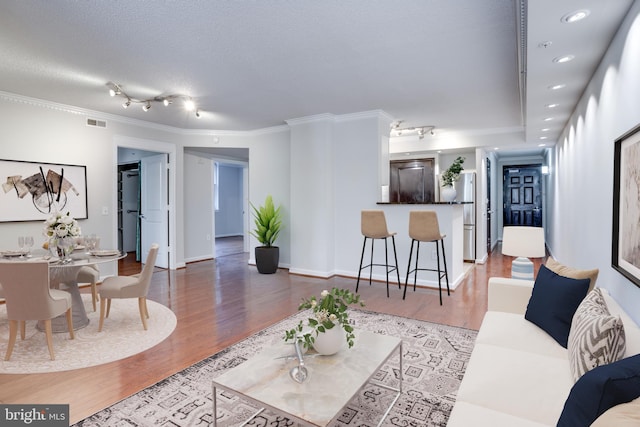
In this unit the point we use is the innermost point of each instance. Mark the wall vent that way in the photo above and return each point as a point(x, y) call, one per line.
point(97, 123)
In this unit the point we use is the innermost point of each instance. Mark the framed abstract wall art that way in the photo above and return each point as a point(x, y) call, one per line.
point(625, 253)
point(33, 191)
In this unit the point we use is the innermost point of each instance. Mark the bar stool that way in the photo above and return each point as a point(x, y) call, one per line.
point(374, 226)
point(423, 227)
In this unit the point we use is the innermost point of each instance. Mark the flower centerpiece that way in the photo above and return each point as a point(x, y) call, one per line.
point(329, 313)
point(61, 231)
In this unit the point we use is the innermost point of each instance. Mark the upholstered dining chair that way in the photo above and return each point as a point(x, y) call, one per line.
point(90, 274)
point(29, 297)
point(129, 287)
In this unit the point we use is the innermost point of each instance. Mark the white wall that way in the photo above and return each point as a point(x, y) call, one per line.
point(582, 169)
point(229, 214)
point(198, 224)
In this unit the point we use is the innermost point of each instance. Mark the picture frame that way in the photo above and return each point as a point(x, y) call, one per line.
point(625, 250)
point(33, 191)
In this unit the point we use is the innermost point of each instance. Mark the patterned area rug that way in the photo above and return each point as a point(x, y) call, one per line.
point(435, 359)
point(122, 336)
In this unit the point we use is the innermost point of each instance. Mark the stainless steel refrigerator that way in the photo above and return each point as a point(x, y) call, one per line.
point(466, 192)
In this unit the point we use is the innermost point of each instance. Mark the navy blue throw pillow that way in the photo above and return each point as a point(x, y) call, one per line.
point(553, 303)
point(600, 389)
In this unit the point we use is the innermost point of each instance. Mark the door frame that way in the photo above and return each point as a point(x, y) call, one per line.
point(160, 147)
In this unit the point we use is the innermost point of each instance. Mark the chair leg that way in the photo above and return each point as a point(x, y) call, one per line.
point(439, 275)
point(13, 332)
point(406, 280)
point(395, 255)
point(446, 274)
point(386, 262)
point(23, 329)
point(103, 303)
point(415, 271)
point(49, 334)
point(361, 259)
point(371, 261)
point(143, 314)
point(94, 295)
point(108, 307)
point(72, 333)
point(146, 309)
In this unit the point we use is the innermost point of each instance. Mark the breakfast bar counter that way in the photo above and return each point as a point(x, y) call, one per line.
point(450, 220)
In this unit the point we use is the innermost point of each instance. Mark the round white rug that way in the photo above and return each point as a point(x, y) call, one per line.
point(122, 336)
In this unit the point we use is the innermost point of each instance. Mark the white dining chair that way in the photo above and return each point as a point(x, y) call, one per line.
point(129, 287)
point(29, 297)
point(90, 274)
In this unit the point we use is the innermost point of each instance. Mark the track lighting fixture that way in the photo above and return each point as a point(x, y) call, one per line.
point(189, 105)
point(421, 131)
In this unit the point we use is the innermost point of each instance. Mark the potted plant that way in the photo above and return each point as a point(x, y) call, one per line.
point(268, 221)
point(329, 321)
point(451, 175)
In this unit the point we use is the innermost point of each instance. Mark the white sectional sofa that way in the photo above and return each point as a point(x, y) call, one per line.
point(518, 375)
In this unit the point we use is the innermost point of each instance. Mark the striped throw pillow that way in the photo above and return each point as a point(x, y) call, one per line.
point(596, 337)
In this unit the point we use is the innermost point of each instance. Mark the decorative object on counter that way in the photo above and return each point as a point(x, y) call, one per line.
point(61, 231)
point(330, 319)
point(268, 221)
point(448, 178)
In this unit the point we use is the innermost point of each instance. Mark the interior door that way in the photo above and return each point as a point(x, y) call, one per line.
point(522, 196)
point(488, 205)
point(154, 207)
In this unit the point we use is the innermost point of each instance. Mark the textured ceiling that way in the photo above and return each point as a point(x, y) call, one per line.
point(250, 64)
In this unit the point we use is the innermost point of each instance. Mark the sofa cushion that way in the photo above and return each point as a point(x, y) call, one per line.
point(466, 414)
point(553, 302)
point(600, 389)
point(596, 337)
point(517, 383)
point(512, 331)
point(623, 415)
point(573, 273)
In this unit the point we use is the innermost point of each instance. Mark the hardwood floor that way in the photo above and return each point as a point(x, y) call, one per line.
point(222, 301)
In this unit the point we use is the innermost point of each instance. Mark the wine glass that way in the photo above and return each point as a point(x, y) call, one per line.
point(28, 241)
point(21, 246)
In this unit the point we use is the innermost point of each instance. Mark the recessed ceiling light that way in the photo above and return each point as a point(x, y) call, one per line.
point(552, 105)
point(545, 130)
point(548, 119)
point(556, 87)
point(563, 59)
point(576, 16)
point(544, 137)
point(542, 145)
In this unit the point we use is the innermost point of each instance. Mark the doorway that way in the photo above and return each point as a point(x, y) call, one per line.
point(522, 195)
point(488, 205)
point(229, 208)
point(132, 150)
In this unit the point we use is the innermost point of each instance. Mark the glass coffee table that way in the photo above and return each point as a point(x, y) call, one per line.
point(332, 382)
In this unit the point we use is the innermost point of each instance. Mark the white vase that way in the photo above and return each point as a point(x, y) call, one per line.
point(330, 342)
point(448, 193)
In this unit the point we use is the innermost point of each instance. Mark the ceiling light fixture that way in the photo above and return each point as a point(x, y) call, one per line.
point(552, 105)
point(576, 16)
point(558, 86)
point(421, 131)
point(547, 119)
point(563, 59)
point(116, 90)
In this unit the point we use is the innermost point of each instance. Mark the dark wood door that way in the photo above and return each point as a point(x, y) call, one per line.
point(412, 181)
point(522, 196)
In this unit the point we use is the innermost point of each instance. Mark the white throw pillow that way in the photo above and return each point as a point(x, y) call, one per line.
point(596, 337)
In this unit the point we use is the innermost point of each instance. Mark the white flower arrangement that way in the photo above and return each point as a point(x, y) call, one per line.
point(61, 225)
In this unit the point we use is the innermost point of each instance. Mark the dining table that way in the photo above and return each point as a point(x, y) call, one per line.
point(63, 275)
